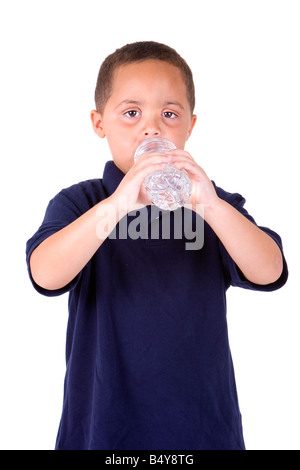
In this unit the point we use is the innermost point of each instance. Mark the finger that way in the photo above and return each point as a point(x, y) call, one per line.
point(139, 172)
point(180, 153)
point(153, 157)
point(191, 167)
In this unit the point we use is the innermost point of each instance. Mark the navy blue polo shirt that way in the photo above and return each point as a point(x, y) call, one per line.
point(147, 353)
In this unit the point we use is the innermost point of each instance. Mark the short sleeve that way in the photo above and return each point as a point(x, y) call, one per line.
point(233, 274)
point(62, 210)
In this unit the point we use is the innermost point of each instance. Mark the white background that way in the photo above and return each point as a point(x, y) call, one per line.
point(245, 59)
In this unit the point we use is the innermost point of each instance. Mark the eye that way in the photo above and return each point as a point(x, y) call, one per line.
point(169, 115)
point(132, 113)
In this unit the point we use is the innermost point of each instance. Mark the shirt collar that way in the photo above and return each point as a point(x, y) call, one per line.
point(112, 177)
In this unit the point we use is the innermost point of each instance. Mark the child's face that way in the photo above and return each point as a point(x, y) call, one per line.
point(148, 99)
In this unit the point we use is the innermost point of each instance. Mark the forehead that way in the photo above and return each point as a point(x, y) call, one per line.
point(148, 76)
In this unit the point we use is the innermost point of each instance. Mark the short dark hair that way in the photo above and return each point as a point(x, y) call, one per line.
point(137, 52)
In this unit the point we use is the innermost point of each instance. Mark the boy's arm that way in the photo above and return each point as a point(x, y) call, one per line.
point(256, 254)
point(60, 258)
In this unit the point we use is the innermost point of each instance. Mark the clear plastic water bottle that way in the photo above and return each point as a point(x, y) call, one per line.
point(170, 188)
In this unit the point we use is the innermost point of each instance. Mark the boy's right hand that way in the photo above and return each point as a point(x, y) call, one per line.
point(131, 191)
point(59, 258)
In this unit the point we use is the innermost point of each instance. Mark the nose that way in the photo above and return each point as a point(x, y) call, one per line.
point(151, 128)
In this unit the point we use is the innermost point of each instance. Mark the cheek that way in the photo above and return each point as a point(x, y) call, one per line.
point(122, 148)
point(180, 138)
point(117, 133)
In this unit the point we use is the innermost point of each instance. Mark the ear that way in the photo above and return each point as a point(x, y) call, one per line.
point(97, 123)
point(193, 122)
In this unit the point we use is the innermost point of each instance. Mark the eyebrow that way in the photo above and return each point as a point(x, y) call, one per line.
point(174, 103)
point(139, 103)
point(129, 102)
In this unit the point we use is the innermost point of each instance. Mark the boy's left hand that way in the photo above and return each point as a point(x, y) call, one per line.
point(203, 191)
point(256, 254)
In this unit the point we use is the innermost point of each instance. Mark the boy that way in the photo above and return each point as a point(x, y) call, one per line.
point(148, 360)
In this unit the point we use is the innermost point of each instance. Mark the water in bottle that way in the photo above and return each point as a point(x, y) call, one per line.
point(170, 188)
